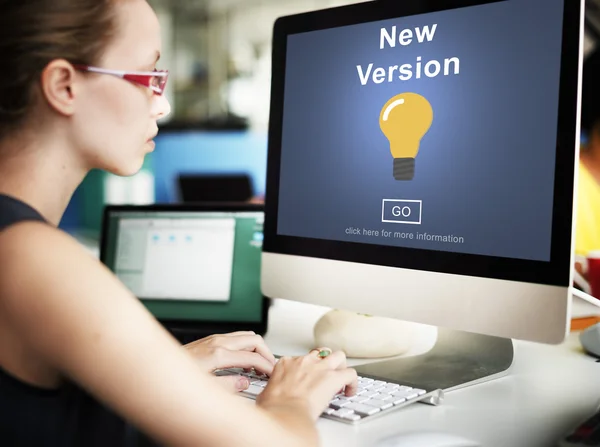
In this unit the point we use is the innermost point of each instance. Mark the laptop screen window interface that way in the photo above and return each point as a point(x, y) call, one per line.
point(189, 265)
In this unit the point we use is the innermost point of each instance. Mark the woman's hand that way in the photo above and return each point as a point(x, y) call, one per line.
point(235, 350)
point(310, 380)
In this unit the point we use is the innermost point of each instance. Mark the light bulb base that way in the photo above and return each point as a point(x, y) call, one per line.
point(404, 168)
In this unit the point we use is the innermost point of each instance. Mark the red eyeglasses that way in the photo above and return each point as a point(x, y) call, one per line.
point(155, 80)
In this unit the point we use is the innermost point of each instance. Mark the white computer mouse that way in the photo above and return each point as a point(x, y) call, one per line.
point(590, 340)
point(426, 439)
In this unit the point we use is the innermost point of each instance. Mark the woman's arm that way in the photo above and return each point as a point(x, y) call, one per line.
point(86, 324)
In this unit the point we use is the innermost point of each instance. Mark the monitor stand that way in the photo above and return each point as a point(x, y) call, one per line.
point(458, 359)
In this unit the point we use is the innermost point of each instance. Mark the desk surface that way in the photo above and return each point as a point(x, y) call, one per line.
point(548, 390)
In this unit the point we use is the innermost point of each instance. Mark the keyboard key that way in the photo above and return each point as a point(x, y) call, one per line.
point(342, 412)
point(352, 417)
point(359, 399)
point(382, 405)
point(389, 388)
point(370, 394)
point(254, 390)
point(362, 409)
point(339, 403)
point(409, 394)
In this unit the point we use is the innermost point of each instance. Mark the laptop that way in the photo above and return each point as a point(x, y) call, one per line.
point(196, 267)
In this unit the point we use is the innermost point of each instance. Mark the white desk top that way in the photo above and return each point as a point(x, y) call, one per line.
point(548, 390)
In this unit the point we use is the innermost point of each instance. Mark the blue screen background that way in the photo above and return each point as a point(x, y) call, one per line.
point(485, 169)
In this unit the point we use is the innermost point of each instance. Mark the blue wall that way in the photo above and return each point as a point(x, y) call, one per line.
point(207, 152)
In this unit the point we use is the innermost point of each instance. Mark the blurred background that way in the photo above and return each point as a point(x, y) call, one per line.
point(213, 146)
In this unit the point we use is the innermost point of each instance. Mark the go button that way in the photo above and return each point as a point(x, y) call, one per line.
point(401, 211)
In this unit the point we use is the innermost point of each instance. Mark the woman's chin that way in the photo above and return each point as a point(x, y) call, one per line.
point(126, 170)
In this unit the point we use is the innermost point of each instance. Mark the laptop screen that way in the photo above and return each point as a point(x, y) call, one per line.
point(189, 265)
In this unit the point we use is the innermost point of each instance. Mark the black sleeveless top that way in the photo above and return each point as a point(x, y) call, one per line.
point(67, 416)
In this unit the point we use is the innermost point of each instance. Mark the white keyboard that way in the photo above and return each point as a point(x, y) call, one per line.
point(374, 397)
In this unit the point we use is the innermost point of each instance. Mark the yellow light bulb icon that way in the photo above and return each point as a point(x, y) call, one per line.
point(404, 120)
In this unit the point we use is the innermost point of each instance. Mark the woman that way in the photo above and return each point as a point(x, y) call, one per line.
point(78, 353)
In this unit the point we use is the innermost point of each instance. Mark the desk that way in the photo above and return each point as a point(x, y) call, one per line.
point(548, 390)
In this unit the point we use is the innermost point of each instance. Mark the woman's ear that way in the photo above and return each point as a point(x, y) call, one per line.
point(57, 85)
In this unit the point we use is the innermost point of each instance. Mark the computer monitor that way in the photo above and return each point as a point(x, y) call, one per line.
point(196, 267)
point(194, 188)
point(421, 162)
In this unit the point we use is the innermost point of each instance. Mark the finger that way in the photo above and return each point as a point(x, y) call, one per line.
point(281, 367)
point(347, 378)
point(225, 358)
point(237, 333)
point(321, 353)
point(337, 360)
point(234, 383)
point(249, 343)
point(261, 347)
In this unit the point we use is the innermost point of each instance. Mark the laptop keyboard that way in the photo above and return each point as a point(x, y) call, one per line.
point(374, 397)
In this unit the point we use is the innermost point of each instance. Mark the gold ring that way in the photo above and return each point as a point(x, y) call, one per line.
point(324, 352)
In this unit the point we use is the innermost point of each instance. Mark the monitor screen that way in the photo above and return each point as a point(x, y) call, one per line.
point(189, 265)
point(426, 131)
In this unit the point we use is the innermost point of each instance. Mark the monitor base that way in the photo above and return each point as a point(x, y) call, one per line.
point(458, 359)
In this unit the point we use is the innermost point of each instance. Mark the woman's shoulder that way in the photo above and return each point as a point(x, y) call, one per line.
point(31, 237)
point(36, 259)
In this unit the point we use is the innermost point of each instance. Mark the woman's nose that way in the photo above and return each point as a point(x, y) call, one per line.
point(161, 107)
